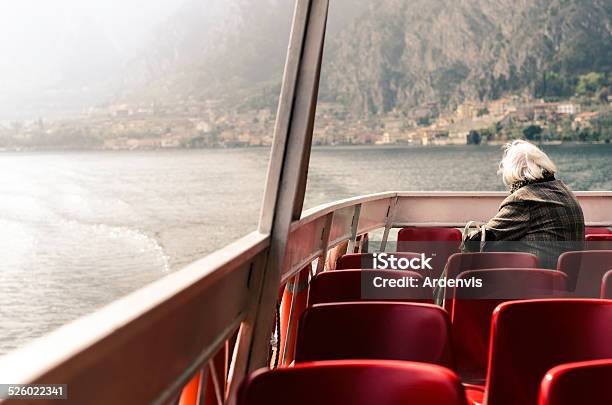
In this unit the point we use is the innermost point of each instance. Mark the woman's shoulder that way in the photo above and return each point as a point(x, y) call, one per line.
point(536, 192)
point(539, 192)
point(517, 197)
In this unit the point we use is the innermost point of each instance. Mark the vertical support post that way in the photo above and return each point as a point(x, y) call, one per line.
point(212, 369)
point(238, 363)
point(354, 226)
point(287, 172)
point(293, 287)
point(329, 220)
point(389, 223)
point(202, 387)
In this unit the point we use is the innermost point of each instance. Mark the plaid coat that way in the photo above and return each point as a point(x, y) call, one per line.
point(543, 218)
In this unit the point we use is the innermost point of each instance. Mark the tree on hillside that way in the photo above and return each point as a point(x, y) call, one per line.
point(553, 85)
point(474, 138)
point(589, 83)
point(532, 132)
point(604, 95)
point(482, 111)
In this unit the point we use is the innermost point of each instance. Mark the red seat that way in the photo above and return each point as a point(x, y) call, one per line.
point(366, 260)
point(358, 285)
point(590, 230)
point(375, 330)
point(473, 307)
point(428, 234)
point(353, 382)
point(531, 337)
point(585, 270)
point(598, 242)
point(437, 243)
point(586, 382)
point(460, 262)
point(606, 285)
point(601, 237)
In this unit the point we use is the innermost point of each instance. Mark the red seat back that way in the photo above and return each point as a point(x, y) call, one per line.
point(606, 285)
point(473, 307)
point(366, 260)
point(531, 337)
point(585, 270)
point(599, 237)
point(460, 262)
point(428, 234)
point(598, 242)
point(353, 382)
point(587, 382)
point(437, 243)
point(361, 285)
point(589, 230)
point(375, 330)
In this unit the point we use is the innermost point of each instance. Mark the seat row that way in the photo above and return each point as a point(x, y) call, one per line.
point(387, 382)
point(410, 234)
point(586, 270)
point(398, 352)
point(448, 240)
point(470, 308)
point(353, 348)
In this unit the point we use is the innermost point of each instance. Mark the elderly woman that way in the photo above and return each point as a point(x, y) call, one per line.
point(541, 215)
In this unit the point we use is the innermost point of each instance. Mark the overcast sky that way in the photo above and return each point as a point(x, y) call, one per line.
point(35, 35)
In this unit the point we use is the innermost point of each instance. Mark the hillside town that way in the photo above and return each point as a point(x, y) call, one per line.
point(211, 124)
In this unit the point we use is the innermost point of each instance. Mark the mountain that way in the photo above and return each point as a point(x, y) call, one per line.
point(385, 55)
point(401, 53)
point(379, 56)
point(233, 49)
point(211, 47)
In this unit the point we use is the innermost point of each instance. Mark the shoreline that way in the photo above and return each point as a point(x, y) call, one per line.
point(321, 146)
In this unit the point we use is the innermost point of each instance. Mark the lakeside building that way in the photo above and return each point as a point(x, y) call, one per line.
point(568, 108)
point(200, 124)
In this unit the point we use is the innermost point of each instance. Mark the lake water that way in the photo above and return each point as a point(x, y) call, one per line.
point(80, 229)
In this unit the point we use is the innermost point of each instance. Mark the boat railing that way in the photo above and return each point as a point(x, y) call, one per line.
point(143, 348)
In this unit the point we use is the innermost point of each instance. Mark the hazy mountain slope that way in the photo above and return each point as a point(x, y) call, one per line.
point(221, 48)
point(402, 53)
point(209, 47)
point(379, 56)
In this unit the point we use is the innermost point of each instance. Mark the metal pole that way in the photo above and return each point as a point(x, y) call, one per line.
point(389, 224)
point(287, 172)
point(329, 220)
point(354, 227)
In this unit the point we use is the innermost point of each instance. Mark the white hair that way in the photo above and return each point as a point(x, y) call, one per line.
point(524, 161)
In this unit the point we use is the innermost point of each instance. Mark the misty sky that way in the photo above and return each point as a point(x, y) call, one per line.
point(59, 57)
point(37, 36)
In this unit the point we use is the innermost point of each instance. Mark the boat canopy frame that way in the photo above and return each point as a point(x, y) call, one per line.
point(144, 347)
